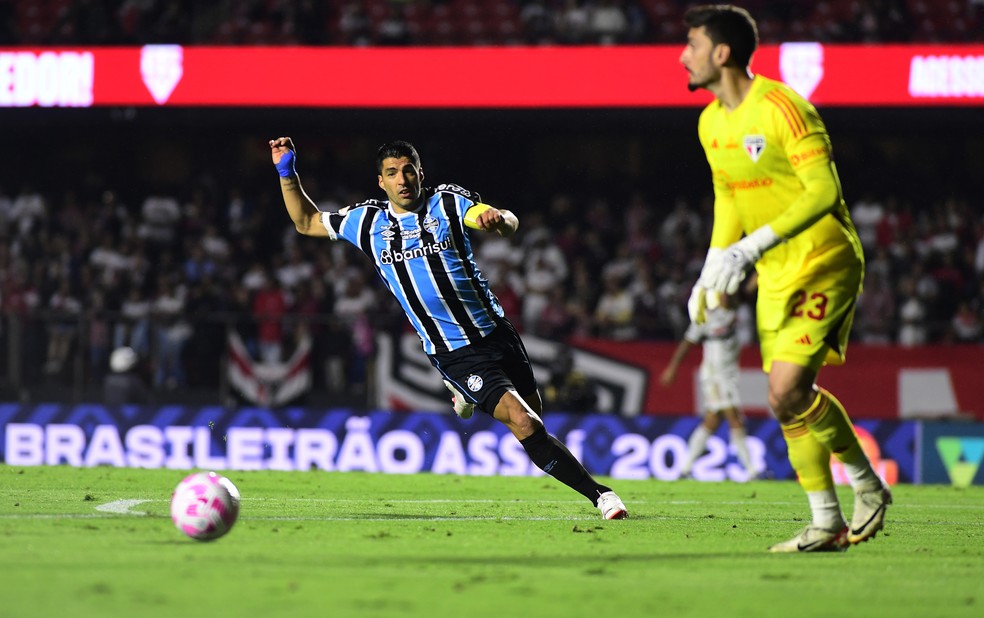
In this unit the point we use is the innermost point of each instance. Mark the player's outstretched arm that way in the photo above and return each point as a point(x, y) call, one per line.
point(302, 211)
point(668, 376)
point(486, 218)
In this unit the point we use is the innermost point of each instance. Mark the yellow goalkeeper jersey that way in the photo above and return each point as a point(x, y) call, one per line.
point(771, 163)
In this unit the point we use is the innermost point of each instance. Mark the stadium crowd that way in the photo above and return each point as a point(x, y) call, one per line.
point(464, 22)
point(84, 270)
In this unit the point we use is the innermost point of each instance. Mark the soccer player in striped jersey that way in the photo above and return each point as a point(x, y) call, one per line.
point(419, 243)
point(775, 183)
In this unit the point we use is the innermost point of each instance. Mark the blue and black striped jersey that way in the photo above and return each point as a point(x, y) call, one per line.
point(425, 259)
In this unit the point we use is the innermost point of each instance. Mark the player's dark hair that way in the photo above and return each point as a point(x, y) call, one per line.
point(396, 149)
point(728, 24)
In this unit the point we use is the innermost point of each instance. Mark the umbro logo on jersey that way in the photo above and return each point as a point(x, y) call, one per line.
point(805, 340)
point(387, 231)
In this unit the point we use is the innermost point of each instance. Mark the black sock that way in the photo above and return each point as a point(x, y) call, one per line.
point(550, 455)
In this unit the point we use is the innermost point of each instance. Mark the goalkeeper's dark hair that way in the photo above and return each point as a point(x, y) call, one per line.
point(396, 149)
point(727, 24)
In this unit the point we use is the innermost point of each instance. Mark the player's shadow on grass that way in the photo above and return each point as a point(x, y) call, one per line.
point(569, 560)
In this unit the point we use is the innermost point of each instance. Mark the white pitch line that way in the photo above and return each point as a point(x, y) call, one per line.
point(122, 507)
point(125, 507)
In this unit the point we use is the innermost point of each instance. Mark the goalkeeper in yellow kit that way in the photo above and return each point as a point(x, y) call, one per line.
point(778, 207)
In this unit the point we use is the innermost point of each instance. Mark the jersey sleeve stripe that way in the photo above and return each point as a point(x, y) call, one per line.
point(796, 123)
point(365, 231)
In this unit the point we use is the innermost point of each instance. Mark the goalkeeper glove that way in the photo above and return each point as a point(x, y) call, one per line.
point(701, 297)
point(737, 259)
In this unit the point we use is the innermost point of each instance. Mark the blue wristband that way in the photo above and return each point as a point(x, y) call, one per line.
point(286, 166)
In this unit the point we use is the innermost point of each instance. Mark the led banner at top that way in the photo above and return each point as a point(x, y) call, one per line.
point(473, 77)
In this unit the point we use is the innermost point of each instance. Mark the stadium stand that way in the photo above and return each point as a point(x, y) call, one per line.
point(101, 262)
point(465, 22)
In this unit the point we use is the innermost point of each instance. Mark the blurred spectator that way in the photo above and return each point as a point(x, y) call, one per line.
point(673, 293)
point(556, 321)
point(682, 224)
point(133, 328)
point(198, 265)
point(573, 23)
point(895, 225)
point(28, 210)
point(313, 305)
point(538, 22)
point(206, 344)
point(568, 390)
point(63, 326)
point(608, 23)
point(507, 285)
point(546, 268)
point(160, 215)
point(912, 316)
point(123, 384)
point(649, 315)
point(876, 311)
point(966, 326)
point(639, 228)
point(354, 25)
point(867, 214)
point(352, 309)
point(979, 249)
point(296, 271)
point(255, 276)
point(107, 260)
point(268, 308)
point(393, 29)
point(100, 335)
point(615, 312)
point(622, 265)
point(171, 333)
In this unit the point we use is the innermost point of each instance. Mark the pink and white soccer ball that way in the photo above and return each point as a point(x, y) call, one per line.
point(205, 505)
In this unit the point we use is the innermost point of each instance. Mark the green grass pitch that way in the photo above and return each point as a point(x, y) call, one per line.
point(353, 544)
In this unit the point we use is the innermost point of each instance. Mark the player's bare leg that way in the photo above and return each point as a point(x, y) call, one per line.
point(698, 441)
point(738, 437)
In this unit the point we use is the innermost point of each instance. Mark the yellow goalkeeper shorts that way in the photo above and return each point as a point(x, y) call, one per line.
point(808, 326)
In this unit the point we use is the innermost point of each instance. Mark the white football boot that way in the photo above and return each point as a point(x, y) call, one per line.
point(611, 506)
point(814, 538)
point(461, 406)
point(869, 513)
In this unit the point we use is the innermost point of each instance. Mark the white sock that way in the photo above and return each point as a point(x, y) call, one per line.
point(861, 475)
point(695, 447)
point(826, 509)
point(738, 437)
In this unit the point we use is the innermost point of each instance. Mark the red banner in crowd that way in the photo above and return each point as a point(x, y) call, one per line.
point(878, 382)
point(471, 77)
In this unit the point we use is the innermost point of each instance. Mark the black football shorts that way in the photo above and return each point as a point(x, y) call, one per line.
point(485, 370)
